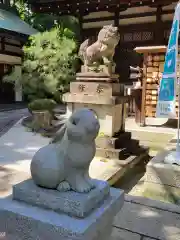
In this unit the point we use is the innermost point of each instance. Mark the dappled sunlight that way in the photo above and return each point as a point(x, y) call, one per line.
point(16, 156)
point(10, 144)
point(171, 232)
point(21, 165)
point(158, 221)
point(28, 150)
point(150, 213)
point(9, 177)
point(18, 146)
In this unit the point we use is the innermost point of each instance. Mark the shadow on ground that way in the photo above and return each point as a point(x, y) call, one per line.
point(133, 176)
point(9, 177)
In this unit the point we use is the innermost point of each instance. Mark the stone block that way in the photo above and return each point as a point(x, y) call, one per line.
point(113, 142)
point(108, 153)
point(162, 181)
point(97, 79)
point(24, 221)
point(72, 203)
point(147, 238)
point(97, 75)
point(94, 99)
point(42, 119)
point(122, 234)
point(106, 69)
point(106, 142)
point(161, 173)
point(110, 116)
point(160, 192)
point(148, 221)
point(91, 88)
point(152, 203)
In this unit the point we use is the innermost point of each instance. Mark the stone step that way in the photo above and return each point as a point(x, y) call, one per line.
point(131, 144)
point(139, 150)
point(112, 170)
point(133, 147)
point(153, 144)
point(111, 153)
point(121, 153)
point(149, 218)
point(113, 142)
point(151, 136)
point(120, 162)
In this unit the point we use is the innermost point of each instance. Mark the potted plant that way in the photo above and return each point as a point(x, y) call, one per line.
point(42, 111)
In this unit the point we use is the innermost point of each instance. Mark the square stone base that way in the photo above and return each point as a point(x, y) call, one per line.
point(103, 69)
point(70, 202)
point(162, 181)
point(23, 221)
point(111, 117)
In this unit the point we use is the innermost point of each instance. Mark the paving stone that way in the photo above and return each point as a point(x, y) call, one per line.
point(9, 177)
point(148, 221)
point(121, 234)
point(147, 238)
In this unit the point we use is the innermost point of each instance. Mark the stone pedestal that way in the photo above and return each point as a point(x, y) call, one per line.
point(37, 213)
point(104, 94)
point(162, 180)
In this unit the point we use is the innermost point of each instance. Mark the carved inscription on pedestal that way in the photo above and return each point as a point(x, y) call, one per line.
point(81, 87)
point(99, 89)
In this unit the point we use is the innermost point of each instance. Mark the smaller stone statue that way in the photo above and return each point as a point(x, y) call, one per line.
point(102, 49)
point(64, 163)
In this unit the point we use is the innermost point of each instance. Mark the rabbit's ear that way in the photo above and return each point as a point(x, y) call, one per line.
point(60, 134)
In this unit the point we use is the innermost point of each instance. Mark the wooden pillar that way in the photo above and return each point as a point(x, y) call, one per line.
point(80, 18)
point(7, 2)
point(124, 107)
point(18, 86)
point(144, 82)
point(81, 25)
point(116, 18)
point(137, 96)
point(159, 31)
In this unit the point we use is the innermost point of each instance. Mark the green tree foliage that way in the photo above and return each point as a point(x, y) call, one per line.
point(50, 56)
point(45, 22)
point(49, 64)
point(42, 21)
point(23, 11)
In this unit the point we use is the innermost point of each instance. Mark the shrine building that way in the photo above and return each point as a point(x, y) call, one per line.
point(13, 34)
point(144, 27)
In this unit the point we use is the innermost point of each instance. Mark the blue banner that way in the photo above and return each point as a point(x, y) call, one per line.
point(167, 91)
point(170, 62)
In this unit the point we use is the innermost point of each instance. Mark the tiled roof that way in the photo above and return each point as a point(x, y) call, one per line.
point(11, 22)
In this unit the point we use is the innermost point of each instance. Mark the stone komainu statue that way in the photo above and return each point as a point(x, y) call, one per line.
point(102, 49)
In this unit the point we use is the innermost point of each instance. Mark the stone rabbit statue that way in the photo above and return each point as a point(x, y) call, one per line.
point(64, 163)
